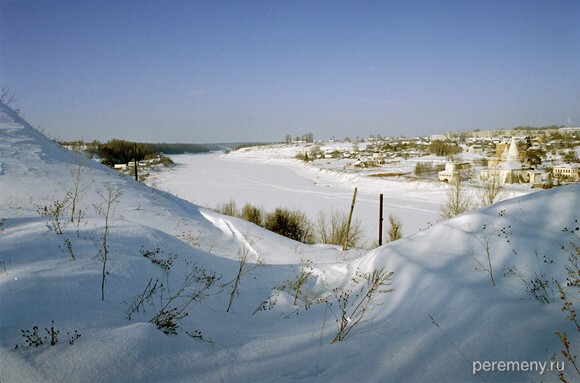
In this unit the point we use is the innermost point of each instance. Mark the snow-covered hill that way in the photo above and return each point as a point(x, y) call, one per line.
point(444, 319)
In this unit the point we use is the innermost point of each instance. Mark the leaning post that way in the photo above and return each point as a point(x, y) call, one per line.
point(345, 244)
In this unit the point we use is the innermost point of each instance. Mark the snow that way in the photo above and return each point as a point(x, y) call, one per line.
point(271, 177)
point(435, 276)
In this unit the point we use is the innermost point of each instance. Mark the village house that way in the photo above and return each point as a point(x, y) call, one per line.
point(567, 171)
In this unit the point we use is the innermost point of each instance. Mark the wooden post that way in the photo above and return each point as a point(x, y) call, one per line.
point(381, 219)
point(135, 159)
point(345, 244)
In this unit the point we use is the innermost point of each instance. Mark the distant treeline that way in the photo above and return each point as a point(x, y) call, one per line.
point(240, 145)
point(182, 148)
point(120, 151)
point(440, 148)
point(201, 148)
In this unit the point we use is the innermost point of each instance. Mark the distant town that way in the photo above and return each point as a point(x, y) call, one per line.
point(541, 157)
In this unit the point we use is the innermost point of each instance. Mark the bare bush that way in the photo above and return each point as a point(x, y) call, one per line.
point(316, 152)
point(304, 275)
point(194, 288)
point(354, 308)
point(395, 228)
point(484, 261)
point(572, 282)
point(55, 213)
point(292, 224)
point(424, 168)
point(228, 208)
point(253, 214)
point(334, 230)
point(538, 285)
point(137, 303)
point(244, 257)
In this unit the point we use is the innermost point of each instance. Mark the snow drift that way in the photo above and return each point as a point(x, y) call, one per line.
point(464, 289)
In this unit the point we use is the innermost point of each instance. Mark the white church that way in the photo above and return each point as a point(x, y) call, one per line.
point(510, 170)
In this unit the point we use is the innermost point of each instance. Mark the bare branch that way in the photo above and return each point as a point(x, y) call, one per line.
point(6, 96)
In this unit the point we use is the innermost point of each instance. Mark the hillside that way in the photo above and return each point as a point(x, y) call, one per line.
point(166, 258)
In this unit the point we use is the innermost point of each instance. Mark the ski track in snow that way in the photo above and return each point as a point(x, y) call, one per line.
point(211, 179)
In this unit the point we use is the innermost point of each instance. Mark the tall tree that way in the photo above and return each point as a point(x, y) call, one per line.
point(491, 188)
point(458, 201)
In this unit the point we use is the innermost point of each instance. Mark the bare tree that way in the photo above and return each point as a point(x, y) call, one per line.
point(491, 188)
point(110, 198)
point(76, 175)
point(458, 202)
point(6, 95)
point(308, 137)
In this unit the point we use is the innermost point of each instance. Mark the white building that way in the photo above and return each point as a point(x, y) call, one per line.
point(438, 137)
point(510, 171)
point(450, 174)
point(567, 171)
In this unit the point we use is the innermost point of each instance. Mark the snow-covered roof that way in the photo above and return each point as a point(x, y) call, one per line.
point(511, 165)
point(512, 154)
point(573, 165)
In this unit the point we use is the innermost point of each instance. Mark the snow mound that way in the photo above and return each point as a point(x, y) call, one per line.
point(465, 290)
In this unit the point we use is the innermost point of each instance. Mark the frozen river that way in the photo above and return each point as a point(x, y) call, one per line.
point(210, 179)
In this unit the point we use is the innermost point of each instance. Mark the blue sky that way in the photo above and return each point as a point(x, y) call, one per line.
point(225, 71)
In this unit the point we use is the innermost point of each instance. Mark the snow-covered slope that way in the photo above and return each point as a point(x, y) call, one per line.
point(444, 316)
